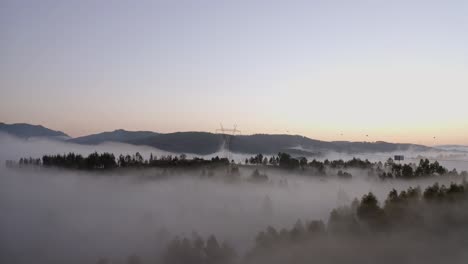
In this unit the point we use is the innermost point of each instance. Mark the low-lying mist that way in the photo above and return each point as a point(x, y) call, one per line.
point(13, 148)
point(64, 216)
point(55, 215)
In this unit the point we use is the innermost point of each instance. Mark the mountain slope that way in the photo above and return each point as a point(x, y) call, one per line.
point(119, 135)
point(180, 142)
point(273, 143)
point(203, 143)
point(26, 131)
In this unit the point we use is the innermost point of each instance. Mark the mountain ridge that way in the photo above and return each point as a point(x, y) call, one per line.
point(24, 130)
point(118, 135)
point(204, 143)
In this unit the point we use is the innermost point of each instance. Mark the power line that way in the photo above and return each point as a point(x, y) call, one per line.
point(227, 134)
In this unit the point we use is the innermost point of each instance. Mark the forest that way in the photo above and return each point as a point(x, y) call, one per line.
point(408, 224)
point(383, 226)
point(283, 161)
point(411, 221)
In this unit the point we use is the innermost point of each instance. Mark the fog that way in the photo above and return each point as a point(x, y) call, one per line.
point(64, 216)
point(451, 158)
point(13, 148)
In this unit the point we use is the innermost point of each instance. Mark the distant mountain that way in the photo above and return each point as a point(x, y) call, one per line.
point(119, 135)
point(262, 143)
point(26, 131)
point(179, 142)
point(203, 143)
point(272, 144)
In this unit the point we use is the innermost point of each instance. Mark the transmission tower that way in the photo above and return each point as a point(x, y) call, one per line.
point(227, 134)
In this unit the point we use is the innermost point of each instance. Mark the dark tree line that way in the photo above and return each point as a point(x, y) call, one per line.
point(405, 210)
point(283, 160)
point(411, 171)
point(109, 161)
point(196, 250)
point(286, 161)
point(389, 170)
point(77, 161)
point(431, 214)
point(435, 213)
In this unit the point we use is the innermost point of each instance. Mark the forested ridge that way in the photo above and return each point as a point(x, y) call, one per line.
point(409, 225)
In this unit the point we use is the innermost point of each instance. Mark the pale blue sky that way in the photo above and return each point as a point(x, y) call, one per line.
point(316, 68)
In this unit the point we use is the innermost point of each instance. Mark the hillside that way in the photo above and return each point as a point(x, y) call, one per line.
point(22, 130)
point(203, 143)
point(119, 135)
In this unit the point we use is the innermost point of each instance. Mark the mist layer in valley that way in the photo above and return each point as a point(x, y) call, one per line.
point(55, 216)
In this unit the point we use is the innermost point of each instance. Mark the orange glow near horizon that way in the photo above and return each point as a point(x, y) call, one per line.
point(396, 72)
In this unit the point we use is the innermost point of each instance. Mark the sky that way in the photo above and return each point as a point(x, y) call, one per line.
point(332, 70)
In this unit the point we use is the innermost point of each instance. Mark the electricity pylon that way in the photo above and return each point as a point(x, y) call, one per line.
point(227, 134)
